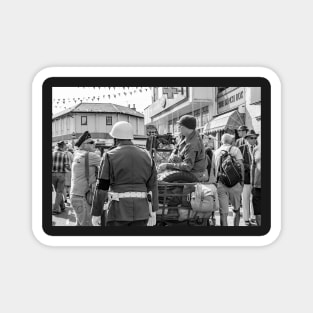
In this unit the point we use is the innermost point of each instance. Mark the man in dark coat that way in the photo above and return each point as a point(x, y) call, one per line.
point(126, 178)
point(246, 151)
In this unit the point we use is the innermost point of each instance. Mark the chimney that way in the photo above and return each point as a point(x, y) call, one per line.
point(129, 106)
point(134, 107)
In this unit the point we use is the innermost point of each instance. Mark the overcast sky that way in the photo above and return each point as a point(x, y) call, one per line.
point(65, 97)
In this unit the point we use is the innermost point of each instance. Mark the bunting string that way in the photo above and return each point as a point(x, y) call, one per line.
point(96, 94)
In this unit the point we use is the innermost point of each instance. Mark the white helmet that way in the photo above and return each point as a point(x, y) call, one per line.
point(122, 130)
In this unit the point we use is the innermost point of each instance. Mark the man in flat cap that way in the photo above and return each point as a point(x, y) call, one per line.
point(60, 164)
point(189, 155)
point(84, 173)
point(242, 131)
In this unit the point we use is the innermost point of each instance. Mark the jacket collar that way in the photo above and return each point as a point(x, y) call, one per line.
point(125, 143)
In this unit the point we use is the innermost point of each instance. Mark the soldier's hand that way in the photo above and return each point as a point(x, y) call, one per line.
point(152, 219)
point(96, 220)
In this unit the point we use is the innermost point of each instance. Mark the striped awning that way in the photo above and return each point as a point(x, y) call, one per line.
point(230, 120)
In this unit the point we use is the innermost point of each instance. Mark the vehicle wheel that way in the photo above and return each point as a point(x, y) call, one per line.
point(177, 177)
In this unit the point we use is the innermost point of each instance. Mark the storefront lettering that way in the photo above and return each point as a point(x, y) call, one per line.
point(236, 97)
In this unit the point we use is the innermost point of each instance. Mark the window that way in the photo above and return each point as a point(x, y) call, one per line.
point(175, 125)
point(83, 120)
point(109, 120)
point(197, 116)
point(205, 115)
point(170, 127)
point(205, 110)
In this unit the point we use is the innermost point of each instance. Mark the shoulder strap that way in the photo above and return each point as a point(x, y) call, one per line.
point(87, 167)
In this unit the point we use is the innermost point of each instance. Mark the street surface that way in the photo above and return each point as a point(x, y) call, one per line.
point(67, 218)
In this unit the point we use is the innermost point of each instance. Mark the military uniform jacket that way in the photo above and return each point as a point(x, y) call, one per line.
point(129, 168)
point(192, 154)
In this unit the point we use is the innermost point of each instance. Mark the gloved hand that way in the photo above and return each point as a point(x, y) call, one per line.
point(96, 220)
point(152, 219)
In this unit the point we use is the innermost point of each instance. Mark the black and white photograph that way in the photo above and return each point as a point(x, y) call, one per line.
point(156, 156)
point(114, 182)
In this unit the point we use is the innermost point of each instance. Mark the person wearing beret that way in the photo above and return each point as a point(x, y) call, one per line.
point(81, 182)
point(242, 131)
point(126, 190)
point(189, 154)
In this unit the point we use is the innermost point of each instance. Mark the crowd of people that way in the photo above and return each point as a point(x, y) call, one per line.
point(121, 189)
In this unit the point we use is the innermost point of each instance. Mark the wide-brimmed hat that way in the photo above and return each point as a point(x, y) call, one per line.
point(60, 143)
point(243, 128)
point(251, 133)
point(84, 138)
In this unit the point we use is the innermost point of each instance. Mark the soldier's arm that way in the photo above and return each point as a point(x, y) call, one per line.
point(102, 187)
point(152, 185)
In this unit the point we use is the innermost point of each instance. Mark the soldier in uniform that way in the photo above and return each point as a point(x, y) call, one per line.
point(83, 179)
point(126, 180)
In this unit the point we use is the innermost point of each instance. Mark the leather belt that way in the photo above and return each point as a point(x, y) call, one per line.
point(131, 194)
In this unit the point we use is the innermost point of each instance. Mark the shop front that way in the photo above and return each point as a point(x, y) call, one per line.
point(224, 123)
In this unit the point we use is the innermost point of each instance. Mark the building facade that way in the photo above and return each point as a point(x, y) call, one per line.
point(170, 103)
point(217, 109)
point(98, 119)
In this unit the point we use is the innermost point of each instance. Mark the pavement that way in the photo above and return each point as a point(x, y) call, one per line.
point(67, 217)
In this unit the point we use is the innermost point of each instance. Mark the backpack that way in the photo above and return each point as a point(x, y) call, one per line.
point(229, 169)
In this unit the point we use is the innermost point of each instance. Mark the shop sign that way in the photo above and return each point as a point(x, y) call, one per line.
point(168, 97)
point(231, 100)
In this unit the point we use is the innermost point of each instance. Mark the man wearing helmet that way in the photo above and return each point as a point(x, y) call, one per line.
point(127, 175)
